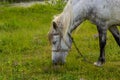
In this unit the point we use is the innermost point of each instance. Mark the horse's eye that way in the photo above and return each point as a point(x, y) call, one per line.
point(54, 42)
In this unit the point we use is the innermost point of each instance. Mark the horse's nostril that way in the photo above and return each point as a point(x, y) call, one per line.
point(54, 42)
point(58, 63)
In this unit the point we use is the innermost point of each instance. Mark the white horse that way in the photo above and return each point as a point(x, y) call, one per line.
point(105, 14)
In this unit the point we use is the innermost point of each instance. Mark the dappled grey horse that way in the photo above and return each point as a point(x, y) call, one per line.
point(105, 14)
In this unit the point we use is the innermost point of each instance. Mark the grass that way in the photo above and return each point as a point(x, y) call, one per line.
point(25, 53)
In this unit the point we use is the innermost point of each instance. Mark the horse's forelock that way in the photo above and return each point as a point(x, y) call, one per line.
point(57, 21)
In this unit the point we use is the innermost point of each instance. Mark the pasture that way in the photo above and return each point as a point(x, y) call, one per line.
point(25, 52)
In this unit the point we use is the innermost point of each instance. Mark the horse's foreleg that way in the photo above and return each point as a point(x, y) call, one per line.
point(102, 42)
point(116, 34)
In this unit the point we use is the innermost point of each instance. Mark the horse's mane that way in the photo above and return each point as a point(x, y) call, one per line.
point(63, 20)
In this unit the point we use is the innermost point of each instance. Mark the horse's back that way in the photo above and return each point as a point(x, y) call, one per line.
point(107, 10)
point(101, 9)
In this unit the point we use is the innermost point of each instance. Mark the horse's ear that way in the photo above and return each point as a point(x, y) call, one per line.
point(55, 26)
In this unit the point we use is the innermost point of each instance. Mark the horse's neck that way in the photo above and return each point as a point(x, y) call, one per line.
point(80, 10)
point(74, 14)
point(76, 17)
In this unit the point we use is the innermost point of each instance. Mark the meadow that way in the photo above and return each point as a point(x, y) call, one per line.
point(25, 52)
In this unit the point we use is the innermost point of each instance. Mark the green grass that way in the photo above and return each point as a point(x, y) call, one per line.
point(25, 53)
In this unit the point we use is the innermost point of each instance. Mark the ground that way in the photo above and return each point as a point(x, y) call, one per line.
point(25, 52)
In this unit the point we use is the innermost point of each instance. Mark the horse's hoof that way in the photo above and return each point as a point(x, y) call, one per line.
point(99, 64)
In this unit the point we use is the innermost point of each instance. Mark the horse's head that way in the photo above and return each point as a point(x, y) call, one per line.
point(60, 41)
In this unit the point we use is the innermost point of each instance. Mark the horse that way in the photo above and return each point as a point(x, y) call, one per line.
point(105, 14)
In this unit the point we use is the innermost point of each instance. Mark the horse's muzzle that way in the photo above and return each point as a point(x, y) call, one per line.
point(58, 62)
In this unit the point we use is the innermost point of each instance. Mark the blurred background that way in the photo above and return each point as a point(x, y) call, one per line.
point(14, 1)
point(11, 1)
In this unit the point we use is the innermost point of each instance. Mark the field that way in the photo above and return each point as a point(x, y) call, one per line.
point(25, 53)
